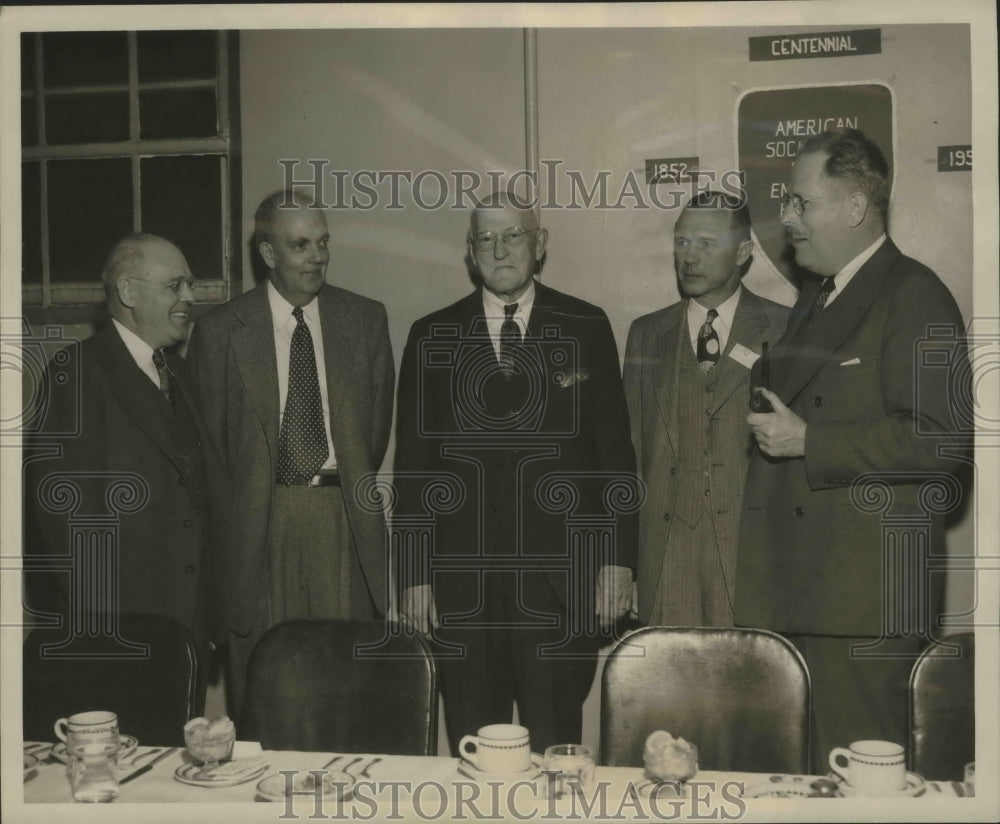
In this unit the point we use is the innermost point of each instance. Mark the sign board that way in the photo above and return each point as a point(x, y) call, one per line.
point(772, 124)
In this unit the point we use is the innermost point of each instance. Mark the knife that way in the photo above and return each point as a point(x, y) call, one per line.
point(145, 768)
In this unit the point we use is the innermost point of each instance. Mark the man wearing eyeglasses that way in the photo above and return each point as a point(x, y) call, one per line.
point(297, 378)
point(511, 400)
point(861, 423)
point(140, 431)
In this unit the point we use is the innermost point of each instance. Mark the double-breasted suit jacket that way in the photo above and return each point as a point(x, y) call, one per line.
point(527, 456)
point(657, 344)
point(232, 355)
point(877, 378)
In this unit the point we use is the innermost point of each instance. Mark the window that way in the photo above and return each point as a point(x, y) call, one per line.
point(125, 132)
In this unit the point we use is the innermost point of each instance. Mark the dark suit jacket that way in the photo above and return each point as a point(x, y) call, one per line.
point(123, 428)
point(811, 553)
point(232, 356)
point(566, 458)
point(652, 357)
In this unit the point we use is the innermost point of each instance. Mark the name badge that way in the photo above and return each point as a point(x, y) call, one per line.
point(742, 355)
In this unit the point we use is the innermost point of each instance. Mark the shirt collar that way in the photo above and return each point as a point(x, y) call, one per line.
point(493, 306)
point(281, 309)
point(843, 277)
point(697, 314)
point(141, 351)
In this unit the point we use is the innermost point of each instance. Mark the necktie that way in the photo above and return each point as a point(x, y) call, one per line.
point(163, 371)
point(510, 337)
point(302, 447)
point(822, 297)
point(708, 342)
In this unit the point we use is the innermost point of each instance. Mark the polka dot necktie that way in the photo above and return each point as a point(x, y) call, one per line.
point(163, 371)
point(302, 447)
point(510, 337)
point(708, 342)
point(822, 297)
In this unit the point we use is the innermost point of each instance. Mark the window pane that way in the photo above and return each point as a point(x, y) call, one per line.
point(176, 55)
point(85, 58)
point(90, 209)
point(177, 113)
point(86, 118)
point(27, 61)
point(29, 121)
point(31, 223)
point(181, 200)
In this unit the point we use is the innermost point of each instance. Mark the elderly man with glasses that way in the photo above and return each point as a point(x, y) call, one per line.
point(129, 420)
point(512, 401)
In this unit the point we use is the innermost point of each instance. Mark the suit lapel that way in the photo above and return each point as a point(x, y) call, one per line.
point(253, 348)
point(664, 369)
point(749, 325)
point(810, 345)
point(136, 393)
point(339, 347)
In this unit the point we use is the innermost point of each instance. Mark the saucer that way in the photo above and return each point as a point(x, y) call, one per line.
point(915, 786)
point(530, 774)
point(225, 775)
point(30, 762)
point(126, 744)
point(790, 786)
point(336, 785)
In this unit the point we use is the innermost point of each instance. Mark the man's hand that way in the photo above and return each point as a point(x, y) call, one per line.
point(418, 610)
point(781, 433)
point(614, 593)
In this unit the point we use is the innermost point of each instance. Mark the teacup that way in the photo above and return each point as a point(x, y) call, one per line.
point(96, 727)
point(871, 767)
point(498, 748)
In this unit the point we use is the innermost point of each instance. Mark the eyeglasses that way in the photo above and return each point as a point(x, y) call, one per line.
point(174, 286)
point(512, 236)
point(797, 202)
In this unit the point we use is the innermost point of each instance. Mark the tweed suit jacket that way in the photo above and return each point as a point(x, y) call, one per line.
point(813, 555)
point(232, 356)
point(534, 479)
point(652, 361)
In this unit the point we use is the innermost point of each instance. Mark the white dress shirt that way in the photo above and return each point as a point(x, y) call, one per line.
point(698, 314)
point(140, 351)
point(284, 327)
point(843, 277)
point(495, 315)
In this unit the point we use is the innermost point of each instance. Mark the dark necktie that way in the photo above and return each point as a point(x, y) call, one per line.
point(822, 297)
point(302, 447)
point(163, 371)
point(510, 337)
point(708, 342)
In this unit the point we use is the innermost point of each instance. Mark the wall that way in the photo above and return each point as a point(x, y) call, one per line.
point(609, 98)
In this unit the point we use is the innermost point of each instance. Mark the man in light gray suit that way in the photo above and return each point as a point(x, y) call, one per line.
point(687, 381)
point(297, 382)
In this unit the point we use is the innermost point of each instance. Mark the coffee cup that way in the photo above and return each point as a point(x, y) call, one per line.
point(96, 727)
point(871, 767)
point(497, 748)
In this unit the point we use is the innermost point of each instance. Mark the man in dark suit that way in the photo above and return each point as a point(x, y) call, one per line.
point(513, 396)
point(140, 456)
point(854, 459)
point(687, 380)
point(297, 378)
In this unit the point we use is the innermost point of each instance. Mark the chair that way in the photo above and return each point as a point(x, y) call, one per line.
point(943, 709)
point(740, 695)
point(153, 690)
point(341, 686)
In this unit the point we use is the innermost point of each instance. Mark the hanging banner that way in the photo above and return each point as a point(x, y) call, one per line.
point(773, 124)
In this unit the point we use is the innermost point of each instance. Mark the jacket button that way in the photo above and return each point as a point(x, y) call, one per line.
point(818, 401)
point(493, 507)
point(666, 516)
point(708, 492)
point(673, 470)
point(798, 512)
point(187, 523)
point(709, 389)
point(181, 480)
point(189, 569)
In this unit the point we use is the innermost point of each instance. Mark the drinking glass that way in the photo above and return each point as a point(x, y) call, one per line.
point(573, 764)
point(92, 771)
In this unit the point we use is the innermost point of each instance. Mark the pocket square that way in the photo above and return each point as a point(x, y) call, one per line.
point(851, 362)
point(567, 379)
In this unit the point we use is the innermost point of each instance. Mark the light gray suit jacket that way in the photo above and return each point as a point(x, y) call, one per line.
point(232, 357)
point(652, 357)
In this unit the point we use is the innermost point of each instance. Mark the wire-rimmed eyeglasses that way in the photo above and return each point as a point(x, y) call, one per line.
point(512, 236)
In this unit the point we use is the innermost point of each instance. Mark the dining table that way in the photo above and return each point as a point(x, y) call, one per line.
point(384, 787)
